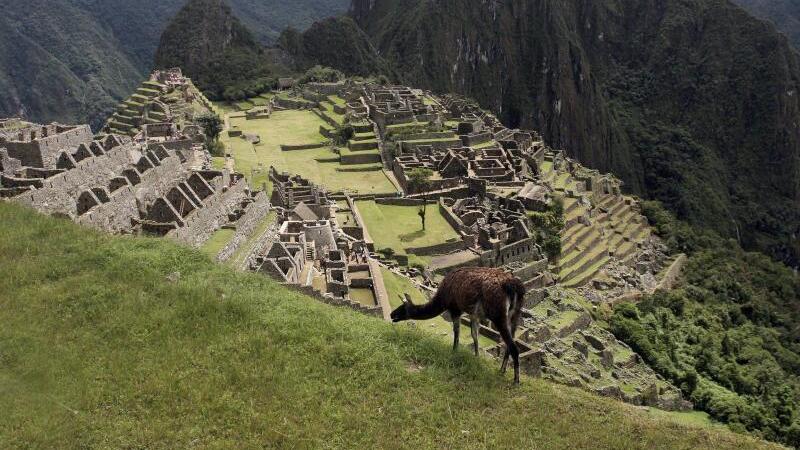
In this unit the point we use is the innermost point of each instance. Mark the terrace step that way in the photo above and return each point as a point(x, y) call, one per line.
point(592, 242)
point(587, 275)
point(587, 260)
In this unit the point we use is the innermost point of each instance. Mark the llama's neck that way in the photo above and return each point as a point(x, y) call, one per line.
point(427, 311)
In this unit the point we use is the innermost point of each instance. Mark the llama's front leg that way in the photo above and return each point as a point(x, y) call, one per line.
point(475, 325)
point(456, 330)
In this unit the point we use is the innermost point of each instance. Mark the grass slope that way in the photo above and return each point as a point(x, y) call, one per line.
point(99, 349)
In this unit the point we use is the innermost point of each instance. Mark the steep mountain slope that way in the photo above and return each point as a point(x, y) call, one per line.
point(200, 32)
point(268, 18)
point(335, 42)
point(692, 102)
point(784, 13)
point(47, 70)
point(213, 48)
point(72, 60)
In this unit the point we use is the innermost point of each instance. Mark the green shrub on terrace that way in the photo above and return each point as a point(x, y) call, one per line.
point(548, 226)
point(320, 74)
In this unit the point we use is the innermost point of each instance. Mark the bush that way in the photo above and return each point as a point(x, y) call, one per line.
point(320, 74)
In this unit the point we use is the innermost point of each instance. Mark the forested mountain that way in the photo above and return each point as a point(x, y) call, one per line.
point(691, 102)
point(57, 64)
point(784, 13)
point(336, 42)
point(73, 60)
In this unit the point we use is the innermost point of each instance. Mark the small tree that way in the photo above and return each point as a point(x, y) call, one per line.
point(419, 180)
point(211, 124)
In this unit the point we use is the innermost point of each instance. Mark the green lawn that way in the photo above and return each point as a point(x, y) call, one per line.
point(218, 241)
point(337, 100)
point(399, 227)
point(296, 128)
point(100, 349)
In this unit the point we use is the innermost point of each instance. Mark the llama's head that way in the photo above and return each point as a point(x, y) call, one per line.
point(402, 312)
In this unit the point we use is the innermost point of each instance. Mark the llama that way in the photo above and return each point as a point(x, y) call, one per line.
point(483, 293)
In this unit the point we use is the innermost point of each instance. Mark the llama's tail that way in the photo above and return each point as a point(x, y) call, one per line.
point(515, 290)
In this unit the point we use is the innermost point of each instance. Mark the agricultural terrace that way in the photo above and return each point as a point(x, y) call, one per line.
point(318, 165)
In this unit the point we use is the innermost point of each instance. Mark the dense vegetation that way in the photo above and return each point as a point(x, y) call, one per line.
point(338, 43)
point(784, 13)
point(56, 63)
point(181, 352)
point(220, 54)
point(729, 336)
point(691, 102)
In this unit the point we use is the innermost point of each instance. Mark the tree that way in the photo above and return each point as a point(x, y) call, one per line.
point(419, 180)
point(211, 124)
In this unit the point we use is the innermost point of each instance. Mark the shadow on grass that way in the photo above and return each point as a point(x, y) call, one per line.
point(411, 236)
point(424, 352)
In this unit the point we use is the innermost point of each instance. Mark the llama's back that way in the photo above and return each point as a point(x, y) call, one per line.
point(466, 287)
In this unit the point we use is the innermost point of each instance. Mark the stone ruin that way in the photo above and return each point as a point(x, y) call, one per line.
point(311, 250)
point(152, 176)
point(166, 98)
point(115, 184)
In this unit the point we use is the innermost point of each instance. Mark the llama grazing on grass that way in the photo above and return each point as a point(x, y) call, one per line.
point(483, 293)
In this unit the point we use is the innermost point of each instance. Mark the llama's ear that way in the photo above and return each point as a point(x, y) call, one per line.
point(407, 300)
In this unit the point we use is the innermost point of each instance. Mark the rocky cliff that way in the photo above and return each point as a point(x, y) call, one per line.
point(692, 102)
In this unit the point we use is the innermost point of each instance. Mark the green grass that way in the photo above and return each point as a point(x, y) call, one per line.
point(99, 349)
point(243, 106)
point(337, 100)
point(295, 128)
point(218, 241)
point(399, 227)
point(487, 144)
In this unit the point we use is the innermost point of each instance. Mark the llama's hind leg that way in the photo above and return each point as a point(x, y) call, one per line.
point(475, 325)
point(514, 324)
point(511, 348)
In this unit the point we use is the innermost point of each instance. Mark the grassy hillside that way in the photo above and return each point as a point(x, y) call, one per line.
point(104, 345)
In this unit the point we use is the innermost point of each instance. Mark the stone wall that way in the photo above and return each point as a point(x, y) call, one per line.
point(43, 151)
point(127, 203)
point(438, 249)
point(246, 225)
point(672, 274)
point(212, 215)
point(289, 148)
point(59, 193)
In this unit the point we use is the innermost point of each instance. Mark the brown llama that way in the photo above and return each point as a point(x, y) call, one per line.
point(483, 293)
